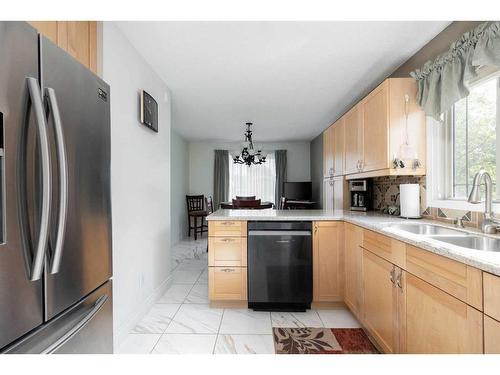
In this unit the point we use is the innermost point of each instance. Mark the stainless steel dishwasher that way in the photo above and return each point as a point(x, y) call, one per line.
point(279, 265)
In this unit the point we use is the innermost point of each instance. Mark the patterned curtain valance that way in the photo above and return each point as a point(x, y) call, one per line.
point(444, 81)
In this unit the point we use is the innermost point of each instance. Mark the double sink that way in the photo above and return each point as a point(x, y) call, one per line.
point(451, 236)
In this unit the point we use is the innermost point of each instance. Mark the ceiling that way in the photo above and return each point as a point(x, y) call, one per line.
point(291, 79)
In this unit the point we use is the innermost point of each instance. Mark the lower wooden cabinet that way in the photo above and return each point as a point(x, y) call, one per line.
point(491, 335)
point(383, 301)
point(353, 253)
point(327, 261)
point(227, 251)
point(436, 322)
point(227, 283)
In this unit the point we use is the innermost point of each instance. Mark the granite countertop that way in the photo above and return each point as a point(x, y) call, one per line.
point(488, 261)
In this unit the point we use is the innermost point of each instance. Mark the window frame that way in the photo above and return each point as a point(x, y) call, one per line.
point(440, 173)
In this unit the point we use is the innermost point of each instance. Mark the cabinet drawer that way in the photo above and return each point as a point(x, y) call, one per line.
point(227, 228)
point(460, 280)
point(491, 295)
point(227, 251)
point(227, 283)
point(491, 336)
point(385, 247)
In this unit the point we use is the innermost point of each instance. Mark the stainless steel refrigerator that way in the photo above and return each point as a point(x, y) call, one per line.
point(55, 229)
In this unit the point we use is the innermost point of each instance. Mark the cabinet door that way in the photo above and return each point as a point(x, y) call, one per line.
point(328, 186)
point(491, 335)
point(338, 148)
point(227, 283)
point(328, 152)
point(327, 261)
point(353, 139)
point(375, 129)
point(436, 322)
point(353, 252)
point(380, 301)
point(340, 193)
point(46, 28)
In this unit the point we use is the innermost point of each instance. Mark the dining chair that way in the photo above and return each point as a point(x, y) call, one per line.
point(283, 204)
point(196, 210)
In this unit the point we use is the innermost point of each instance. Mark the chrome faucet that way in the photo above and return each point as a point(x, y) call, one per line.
point(490, 223)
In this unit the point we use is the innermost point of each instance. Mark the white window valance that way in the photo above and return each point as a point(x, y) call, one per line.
point(445, 80)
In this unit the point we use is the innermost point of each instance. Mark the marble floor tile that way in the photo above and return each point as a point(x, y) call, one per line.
point(199, 294)
point(338, 318)
point(193, 264)
point(196, 318)
point(310, 318)
point(176, 293)
point(244, 344)
point(245, 321)
point(185, 276)
point(138, 344)
point(172, 343)
point(157, 319)
point(203, 279)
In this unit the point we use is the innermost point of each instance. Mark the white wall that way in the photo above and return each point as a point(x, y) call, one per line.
point(140, 183)
point(201, 162)
point(179, 154)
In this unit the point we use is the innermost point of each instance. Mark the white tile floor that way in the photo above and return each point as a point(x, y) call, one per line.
point(181, 322)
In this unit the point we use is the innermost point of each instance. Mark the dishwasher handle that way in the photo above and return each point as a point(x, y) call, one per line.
point(301, 233)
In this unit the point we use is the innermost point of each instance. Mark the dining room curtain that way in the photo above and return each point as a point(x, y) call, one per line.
point(445, 80)
point(280, 159)
point(221, 177)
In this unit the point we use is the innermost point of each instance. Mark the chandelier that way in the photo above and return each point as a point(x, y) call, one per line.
point(248, 155)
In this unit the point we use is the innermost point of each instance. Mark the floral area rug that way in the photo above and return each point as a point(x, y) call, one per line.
point(322, 341)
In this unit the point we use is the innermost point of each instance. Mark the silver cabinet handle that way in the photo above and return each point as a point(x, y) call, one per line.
point(39, 253)
point(78, 326)
point(398, 280)
point(391, 277)
point(361, 164)
point(228, 270)
point(226, 223)
point(63, 180)
point(227, 239)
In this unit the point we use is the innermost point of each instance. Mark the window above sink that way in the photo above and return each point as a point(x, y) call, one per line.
point(464, 142)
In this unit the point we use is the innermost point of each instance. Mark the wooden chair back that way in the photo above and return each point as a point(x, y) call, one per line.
point(209, 204)
point(282, 204)
point(245, 198)
point(195, 203)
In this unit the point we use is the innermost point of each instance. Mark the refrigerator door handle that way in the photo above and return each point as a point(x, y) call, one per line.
point(78, 326)
point(63, 180)
point(39, 254)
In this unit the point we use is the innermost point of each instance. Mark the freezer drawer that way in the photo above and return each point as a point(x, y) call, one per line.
point(86, 328)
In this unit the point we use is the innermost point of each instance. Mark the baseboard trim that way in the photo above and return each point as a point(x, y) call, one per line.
point(121, 332)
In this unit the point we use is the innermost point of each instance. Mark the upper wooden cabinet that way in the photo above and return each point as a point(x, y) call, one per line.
point(338, 147)
point(375, 129)
point(328, 144)
point(386, 124)
point(78, 38)
point(328, 263)
point(353, 139)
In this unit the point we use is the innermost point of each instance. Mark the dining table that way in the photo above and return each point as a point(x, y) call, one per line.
point(262, 206)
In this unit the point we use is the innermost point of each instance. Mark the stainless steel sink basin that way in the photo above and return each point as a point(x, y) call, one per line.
point(428, 229)
point(471, 242)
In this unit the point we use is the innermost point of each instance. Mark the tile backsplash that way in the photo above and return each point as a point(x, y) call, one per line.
point(386, 193)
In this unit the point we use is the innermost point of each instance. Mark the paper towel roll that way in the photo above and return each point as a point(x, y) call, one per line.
point(409, 198)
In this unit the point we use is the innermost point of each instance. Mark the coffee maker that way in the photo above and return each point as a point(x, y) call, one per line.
point(360, 194)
